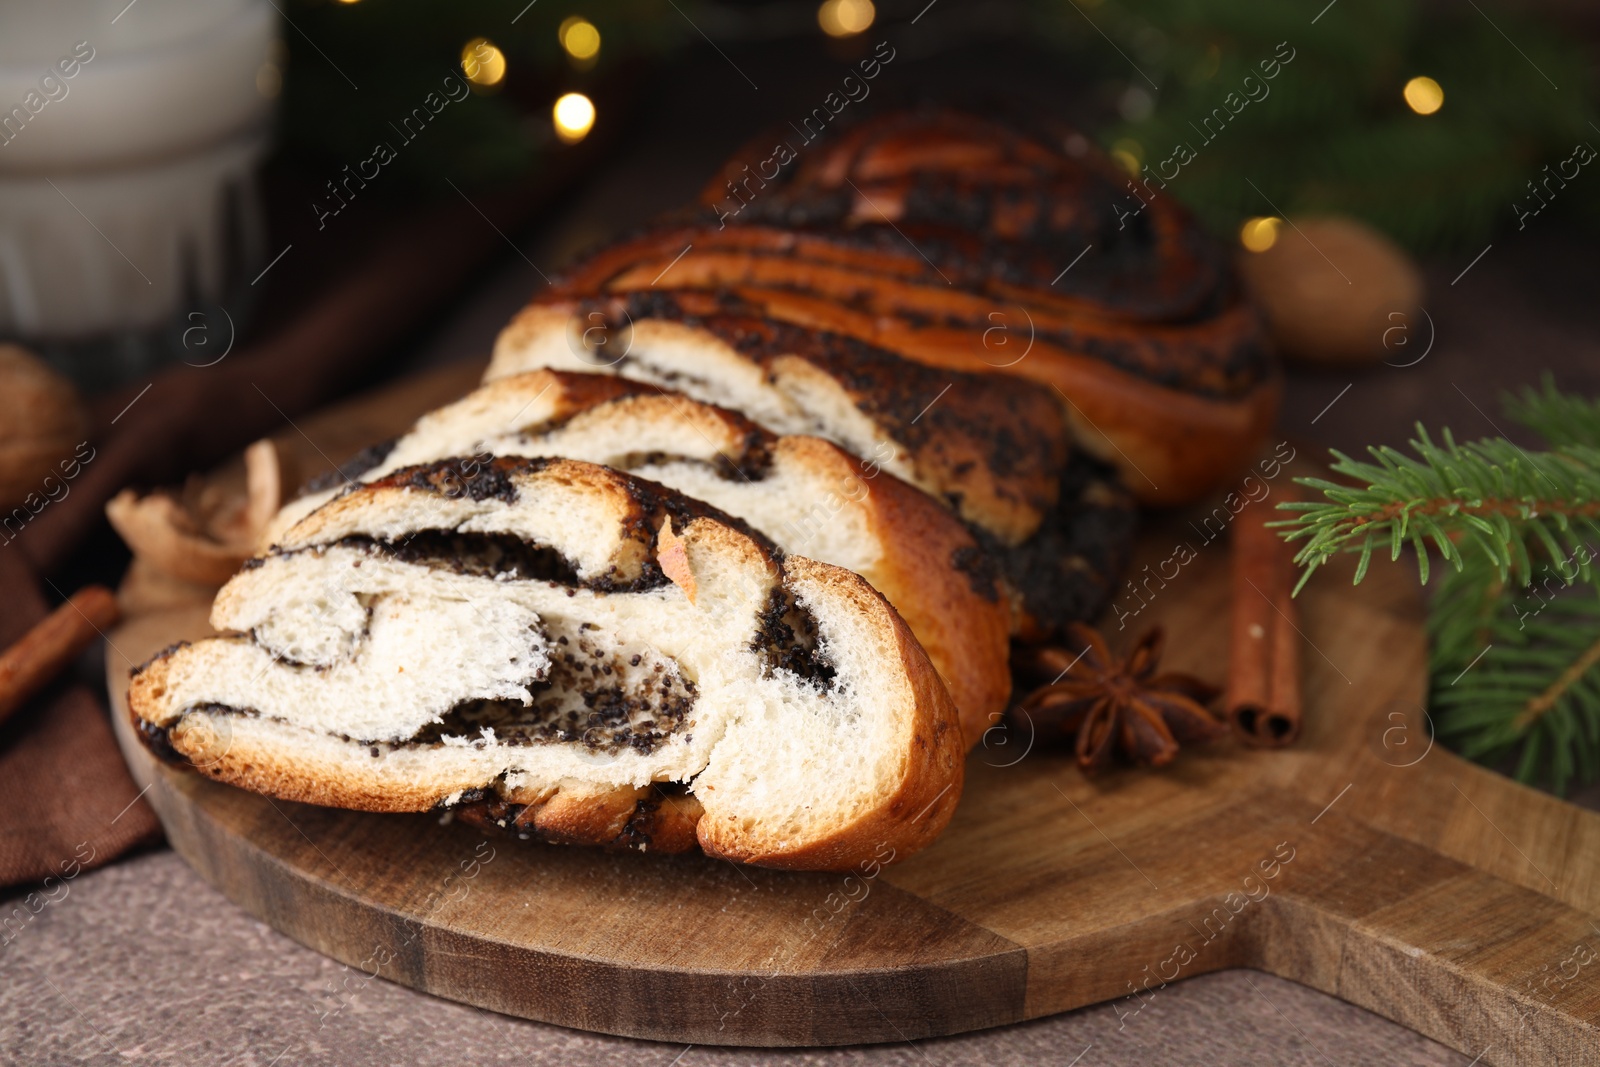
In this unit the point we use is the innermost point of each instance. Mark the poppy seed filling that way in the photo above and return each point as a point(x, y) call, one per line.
point(607, 699)
point(485, 555)
point(787, 641)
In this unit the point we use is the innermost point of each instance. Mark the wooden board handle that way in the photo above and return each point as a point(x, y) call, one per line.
point(1471, 960)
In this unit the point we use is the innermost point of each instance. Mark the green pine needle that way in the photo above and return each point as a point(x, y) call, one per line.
point(1515, 621)
point(1555, 416)
point(1517, 677)
point(1489, 497)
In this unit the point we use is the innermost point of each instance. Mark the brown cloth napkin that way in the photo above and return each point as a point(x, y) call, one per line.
point(66, 800)
point(62, 780)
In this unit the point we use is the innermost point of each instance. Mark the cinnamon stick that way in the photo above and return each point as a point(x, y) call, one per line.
point(55, 641)
point(1263, 696)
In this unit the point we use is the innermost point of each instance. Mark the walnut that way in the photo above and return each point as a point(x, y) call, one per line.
point(42, 423)
point(1336, 292)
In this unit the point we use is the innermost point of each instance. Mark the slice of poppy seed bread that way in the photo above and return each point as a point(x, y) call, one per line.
point(564, 638)
point(988, 445)
point(807, 495)
point(993, 448)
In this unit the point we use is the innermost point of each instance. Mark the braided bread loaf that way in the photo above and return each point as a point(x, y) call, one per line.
point(969, 245)
point(938, 330)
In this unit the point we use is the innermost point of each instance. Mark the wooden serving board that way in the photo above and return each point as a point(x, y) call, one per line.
point(1402, 878)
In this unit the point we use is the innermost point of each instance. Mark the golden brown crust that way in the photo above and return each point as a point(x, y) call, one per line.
point(932, 233)
point(648, 819)
point(1219, 354)
point(582, 815)
point(990, 200)
point(1171, 443)
point(989, 445)
point(572, 393)
point(928, 568)
point(1165, 442)
point(964, 629)
point(930, 776)
point(240, 750)
point(665, 822)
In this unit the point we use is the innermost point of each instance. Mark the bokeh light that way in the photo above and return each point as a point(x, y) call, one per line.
point(1260, 233)
point(844, 18)
point(1129, 155)
point(579, 37)
point(482, 62)
point(573, 116)
point(1424, 95)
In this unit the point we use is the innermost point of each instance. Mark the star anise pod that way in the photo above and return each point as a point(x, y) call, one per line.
point(1106, 704)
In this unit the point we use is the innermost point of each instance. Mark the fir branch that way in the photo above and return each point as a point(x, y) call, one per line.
point(1535, 710)
point(1487, 497)
point(1515, 622)
point(1530, 691)
point(1559, 418)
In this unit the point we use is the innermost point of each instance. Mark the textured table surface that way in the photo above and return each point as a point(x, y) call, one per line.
point(144, 963)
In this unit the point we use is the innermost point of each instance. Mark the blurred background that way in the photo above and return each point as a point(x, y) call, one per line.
point(216, 215)
point(219, 217)
point(179, 174)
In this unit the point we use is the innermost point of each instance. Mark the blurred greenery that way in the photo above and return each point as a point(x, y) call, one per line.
point(1335, 133)
point(354, 68)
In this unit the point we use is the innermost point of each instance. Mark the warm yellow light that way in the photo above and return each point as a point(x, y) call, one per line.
point(347, 1)
point(573, 116)
point(1260, 233)
point(1129, 155)
point(482, 62)
point(843, 18)
point(579, 37)
point(1423, 95)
